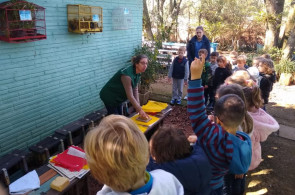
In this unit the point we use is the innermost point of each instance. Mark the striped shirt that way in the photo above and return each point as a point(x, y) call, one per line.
point(216, 142)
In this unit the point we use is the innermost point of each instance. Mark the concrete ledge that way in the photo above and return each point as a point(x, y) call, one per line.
point(287, 132)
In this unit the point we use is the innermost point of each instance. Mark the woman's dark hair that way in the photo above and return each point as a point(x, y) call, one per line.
point(169, 144)
point(136, 59)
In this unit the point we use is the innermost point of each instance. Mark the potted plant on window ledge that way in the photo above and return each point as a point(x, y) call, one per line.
point(150, 75)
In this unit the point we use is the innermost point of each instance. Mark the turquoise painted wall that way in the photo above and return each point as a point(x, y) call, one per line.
point(49, 83)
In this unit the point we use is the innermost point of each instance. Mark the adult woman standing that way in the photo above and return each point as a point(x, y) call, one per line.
point(124, 85)
point(199, 41)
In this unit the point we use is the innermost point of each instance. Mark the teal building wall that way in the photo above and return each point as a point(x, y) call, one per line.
point(47, 84)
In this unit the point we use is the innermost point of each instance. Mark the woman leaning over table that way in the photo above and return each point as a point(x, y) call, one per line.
point(124, 85)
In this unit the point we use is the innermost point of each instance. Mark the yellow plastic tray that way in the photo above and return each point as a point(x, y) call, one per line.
point(143, 126)
point(153, 106)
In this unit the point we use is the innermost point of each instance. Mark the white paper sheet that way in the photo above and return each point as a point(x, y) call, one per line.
point(27, 183)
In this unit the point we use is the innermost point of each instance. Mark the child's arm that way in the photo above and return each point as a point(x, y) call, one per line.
point(196, 109)
point(211, 137)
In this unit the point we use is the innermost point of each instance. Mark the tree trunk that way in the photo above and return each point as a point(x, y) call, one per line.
point(274, 9)
point(289, 29)
point(289, 49)
point(147, 22)
point(160, 22)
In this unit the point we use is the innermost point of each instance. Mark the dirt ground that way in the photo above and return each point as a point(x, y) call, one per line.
point(276, 173)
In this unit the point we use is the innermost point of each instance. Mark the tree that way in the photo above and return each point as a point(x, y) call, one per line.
point(274, 10)
point(228, 21)
point(163, 19)
point(289, 33)
point(147, 21)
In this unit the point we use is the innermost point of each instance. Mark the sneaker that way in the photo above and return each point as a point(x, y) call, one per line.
point(172, 102)
point(178, 102)
point(185, 97)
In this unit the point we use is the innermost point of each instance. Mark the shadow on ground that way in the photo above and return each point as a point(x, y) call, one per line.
point(276, 173)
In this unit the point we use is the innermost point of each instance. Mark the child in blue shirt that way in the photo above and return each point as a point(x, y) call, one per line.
point(179, 71)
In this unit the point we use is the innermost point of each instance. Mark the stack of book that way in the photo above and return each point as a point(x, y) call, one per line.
point(71, 163)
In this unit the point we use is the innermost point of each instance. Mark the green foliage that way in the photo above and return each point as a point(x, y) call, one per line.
point(275, 53)
point(265, 17)
point(151, 74)
point(231, 22)
point(250, 57)
point(285, 66)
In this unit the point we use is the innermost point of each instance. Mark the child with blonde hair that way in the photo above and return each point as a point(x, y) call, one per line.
point(241, 77)
point(179, 71)
point(117, 154)
point(171, 151)
point(233, 55)
point(241, 63)
point(225, 146)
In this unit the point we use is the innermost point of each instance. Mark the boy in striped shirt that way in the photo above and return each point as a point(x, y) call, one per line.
point(226, 148)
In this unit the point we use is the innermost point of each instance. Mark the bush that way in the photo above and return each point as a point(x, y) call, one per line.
point(285, 66)
point(275, 53)
point(151, 74)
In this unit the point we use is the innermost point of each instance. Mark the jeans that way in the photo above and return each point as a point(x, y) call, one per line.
point(177, 89)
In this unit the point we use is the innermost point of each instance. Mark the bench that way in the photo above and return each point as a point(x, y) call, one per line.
point(13, 166)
